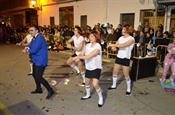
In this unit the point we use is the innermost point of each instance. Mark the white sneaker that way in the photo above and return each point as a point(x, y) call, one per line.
point(83, 84)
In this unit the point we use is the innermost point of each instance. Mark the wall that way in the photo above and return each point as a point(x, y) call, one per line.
point(96, 11)
point(116, 7)
point(11, 15)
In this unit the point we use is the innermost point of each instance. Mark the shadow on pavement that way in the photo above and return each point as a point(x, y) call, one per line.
point(26, 108)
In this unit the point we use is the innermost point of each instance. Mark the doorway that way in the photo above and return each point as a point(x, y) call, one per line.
point(149, 17)
point(66, 16)
point(83, 21)
point(127, 18)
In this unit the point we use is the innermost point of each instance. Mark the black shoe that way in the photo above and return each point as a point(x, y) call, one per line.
point(50, 94)
point(128, 93)
point(99, 105)
point(36, 92)
point(110, 88)
point(85, 98)
point(77, 74)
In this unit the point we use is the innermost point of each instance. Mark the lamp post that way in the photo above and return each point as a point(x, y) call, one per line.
point(33, 2)
point(36, 5)
point(38, 9)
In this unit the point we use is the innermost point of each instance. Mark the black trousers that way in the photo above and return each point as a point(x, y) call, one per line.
point(38, 77)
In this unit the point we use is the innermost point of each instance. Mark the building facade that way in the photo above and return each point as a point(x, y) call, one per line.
point(88, 12)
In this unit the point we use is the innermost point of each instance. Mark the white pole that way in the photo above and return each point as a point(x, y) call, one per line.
point(155, 22)
point(106, 11)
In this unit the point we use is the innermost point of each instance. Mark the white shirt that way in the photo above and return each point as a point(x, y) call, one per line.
point(56, 36)
point(96, 61)
point(125, 52)
point(29, 38)
point(77, 42)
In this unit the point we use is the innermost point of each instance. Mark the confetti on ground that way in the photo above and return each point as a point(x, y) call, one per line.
point(66, 81)
point(53, 82)
point(44, 107)
point(109, 78)
point(151, 81)
point(47, 110)
point(81, 110)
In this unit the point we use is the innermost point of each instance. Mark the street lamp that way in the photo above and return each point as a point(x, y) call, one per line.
point(35, 5)
point(33, 2)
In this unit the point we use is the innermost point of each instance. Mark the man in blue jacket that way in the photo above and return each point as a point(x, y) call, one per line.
point(39, 56)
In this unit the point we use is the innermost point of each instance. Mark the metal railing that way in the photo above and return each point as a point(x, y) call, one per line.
point(160, 53)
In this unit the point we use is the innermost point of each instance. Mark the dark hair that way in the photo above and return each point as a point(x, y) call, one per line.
point(97, 36)
point(35, 26)
point(79, 29)
point(166, 32)
point(129, 29)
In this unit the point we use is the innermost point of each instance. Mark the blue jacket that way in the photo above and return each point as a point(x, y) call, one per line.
point(38, 51)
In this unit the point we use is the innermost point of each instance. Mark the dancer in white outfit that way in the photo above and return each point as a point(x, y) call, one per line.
point(125, 44)
point(79, 45)
point(25, 42)
point(93, 63)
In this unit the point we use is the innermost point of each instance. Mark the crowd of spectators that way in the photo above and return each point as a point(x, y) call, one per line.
point(56, 35)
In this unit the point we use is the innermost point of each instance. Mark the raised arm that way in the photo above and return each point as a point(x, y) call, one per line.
point(129, 42)
point(79, 48)
point(92, 54)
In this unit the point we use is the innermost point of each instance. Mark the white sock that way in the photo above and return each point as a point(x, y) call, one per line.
point(88, 91)
point(83, 76)
point(75, 67)
point(128, 82)
point(99, 92)
point(31, 68)
point(114, 81)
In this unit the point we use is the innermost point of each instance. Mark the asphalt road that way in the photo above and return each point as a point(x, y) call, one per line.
point(148, 97)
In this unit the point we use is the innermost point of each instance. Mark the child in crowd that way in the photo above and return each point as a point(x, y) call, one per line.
point(169, 62)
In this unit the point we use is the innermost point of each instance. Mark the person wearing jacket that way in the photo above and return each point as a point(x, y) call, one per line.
point(39, 57)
